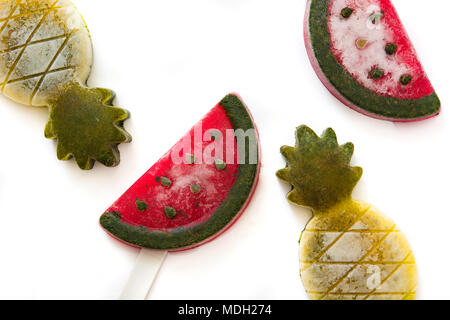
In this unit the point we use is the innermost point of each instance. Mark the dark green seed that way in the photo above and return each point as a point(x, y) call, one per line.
point(141, 205)
point(220, 165)
point(165, 182)
point(376, 73)
point(170, 212)
point(195, 188)
point(405, 79)
point(347, 12)
point(391, 48)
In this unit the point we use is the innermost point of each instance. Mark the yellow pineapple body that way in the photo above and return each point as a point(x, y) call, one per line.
point(354, 252)
point(44, 44)
point(349, 250)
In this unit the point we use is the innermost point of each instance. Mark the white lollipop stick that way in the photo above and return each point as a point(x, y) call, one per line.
point(146, 270)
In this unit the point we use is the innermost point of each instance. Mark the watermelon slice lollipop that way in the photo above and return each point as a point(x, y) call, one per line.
point(193, 194)
point(362, 54)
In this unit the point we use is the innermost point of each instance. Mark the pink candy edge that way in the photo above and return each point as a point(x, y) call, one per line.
point(331, 88)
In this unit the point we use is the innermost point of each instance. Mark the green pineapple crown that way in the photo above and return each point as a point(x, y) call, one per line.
point(319, 170)
point(86, 126)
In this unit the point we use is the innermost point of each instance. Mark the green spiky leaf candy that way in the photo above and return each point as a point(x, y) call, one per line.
point(76, 126)
point(349, 250)
point(45, 61)
point(307, 162)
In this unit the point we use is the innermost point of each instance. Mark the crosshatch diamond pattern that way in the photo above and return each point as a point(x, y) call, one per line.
point(34, 80)
point(45, 61)
point(348, 273)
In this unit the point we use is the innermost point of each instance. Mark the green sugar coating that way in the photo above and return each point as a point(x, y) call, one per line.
point(348, 87)
point(319, 170)
point(228, 210)
point(141, 205)
point(86, 126)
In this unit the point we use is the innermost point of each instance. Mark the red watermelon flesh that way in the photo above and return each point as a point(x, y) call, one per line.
point(215, 185)
point(358, 43)
point(192, 191)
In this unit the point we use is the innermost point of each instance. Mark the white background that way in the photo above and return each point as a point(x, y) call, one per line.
point(170, 61)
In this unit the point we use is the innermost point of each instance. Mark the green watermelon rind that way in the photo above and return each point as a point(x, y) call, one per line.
point(223, 217)
point(350, 88)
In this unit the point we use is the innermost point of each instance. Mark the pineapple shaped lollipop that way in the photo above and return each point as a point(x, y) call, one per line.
point(45, 61)
point(349, 249)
